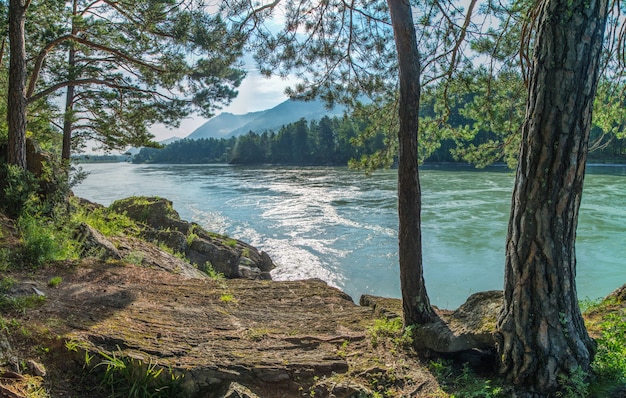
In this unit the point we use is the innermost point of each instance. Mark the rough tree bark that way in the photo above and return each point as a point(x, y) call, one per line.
point(68, 118)
point(16, 102)
point(415, 302)
point(541, 331)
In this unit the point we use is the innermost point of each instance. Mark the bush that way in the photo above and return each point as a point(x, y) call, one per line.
point(42, 241)
point(18, 190)
point(609, 364)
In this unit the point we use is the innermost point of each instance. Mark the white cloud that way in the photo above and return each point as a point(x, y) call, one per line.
point(256, 93)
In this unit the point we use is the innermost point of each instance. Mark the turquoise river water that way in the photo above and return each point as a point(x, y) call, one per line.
point(340, 225)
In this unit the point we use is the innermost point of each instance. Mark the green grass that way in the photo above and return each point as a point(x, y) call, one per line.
point(609, 365)
point(391, 330)
point(55, 281)
point(107, 222)
point(6, 283)
point(20, 304)
point(463, 382)
point(211, 272)
point(227, 298)
point(134, 257)
point(43, 241)
point(127, 377)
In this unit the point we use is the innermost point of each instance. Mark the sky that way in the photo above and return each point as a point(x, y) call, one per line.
point(256, 93)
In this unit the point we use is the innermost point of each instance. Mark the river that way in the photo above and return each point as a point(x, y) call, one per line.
point(339, 225)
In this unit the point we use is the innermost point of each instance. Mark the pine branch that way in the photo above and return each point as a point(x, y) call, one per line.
point(83, 82)
point(44, 52)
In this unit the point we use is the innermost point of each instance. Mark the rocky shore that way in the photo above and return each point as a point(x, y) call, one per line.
point(200, 313)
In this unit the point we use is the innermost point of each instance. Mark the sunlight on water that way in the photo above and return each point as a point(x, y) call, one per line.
point(340, 226)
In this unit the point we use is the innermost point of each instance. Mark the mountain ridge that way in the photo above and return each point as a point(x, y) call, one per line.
point(227, 125)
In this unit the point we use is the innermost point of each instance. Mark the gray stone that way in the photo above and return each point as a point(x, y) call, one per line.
point(94, 244)
point(36, 368)
point(470, 327)
point(236, 390)
point(5, 349)
point(231, 257)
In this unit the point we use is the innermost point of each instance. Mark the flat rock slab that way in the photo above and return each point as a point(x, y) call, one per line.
point(212, 331)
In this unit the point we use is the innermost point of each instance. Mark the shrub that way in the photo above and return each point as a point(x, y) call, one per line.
point(609, 364)
point(18, 192)
point(55, 281)
point(42, 242)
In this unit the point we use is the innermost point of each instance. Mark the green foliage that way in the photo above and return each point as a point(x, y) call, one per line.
point(190, 238)
point(55, 281)
point(342, 351)
point(588, 304)
point(132, 378)
point(20, 304)
point(6, 283)
point(211, 272)
point(573, 385)
point(109, 223)
point(191, 235)
point(390, 330)
point(327, 142)
point(134, 257)
point(227, 298)
point(609, 365)
point(6, 257)
point(176, 59)
point(44, 241)
point(18, 190)
point(464, 382)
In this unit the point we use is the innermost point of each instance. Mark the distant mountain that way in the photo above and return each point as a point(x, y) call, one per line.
point(222, 125)
point(226, 125)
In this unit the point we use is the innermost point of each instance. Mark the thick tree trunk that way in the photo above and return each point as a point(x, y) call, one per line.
point(541, 330)
point(16, 102)
point(415, 302)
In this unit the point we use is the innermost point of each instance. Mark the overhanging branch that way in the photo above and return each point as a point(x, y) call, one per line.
point(84, 82)
point(44, 52)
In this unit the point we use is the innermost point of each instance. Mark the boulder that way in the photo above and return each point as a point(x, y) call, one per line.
point(153, 211)
point(151, 256)
point(230, 257)
point(94, 244)
point(470, 327)
point(236, 390)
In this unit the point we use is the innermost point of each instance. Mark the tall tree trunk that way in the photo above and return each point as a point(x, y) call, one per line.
point(415, 302)
point(68, 117)
point(541, 330)
point(16, 102)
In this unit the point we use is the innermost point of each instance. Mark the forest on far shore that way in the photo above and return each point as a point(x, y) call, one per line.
point(331, 141)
